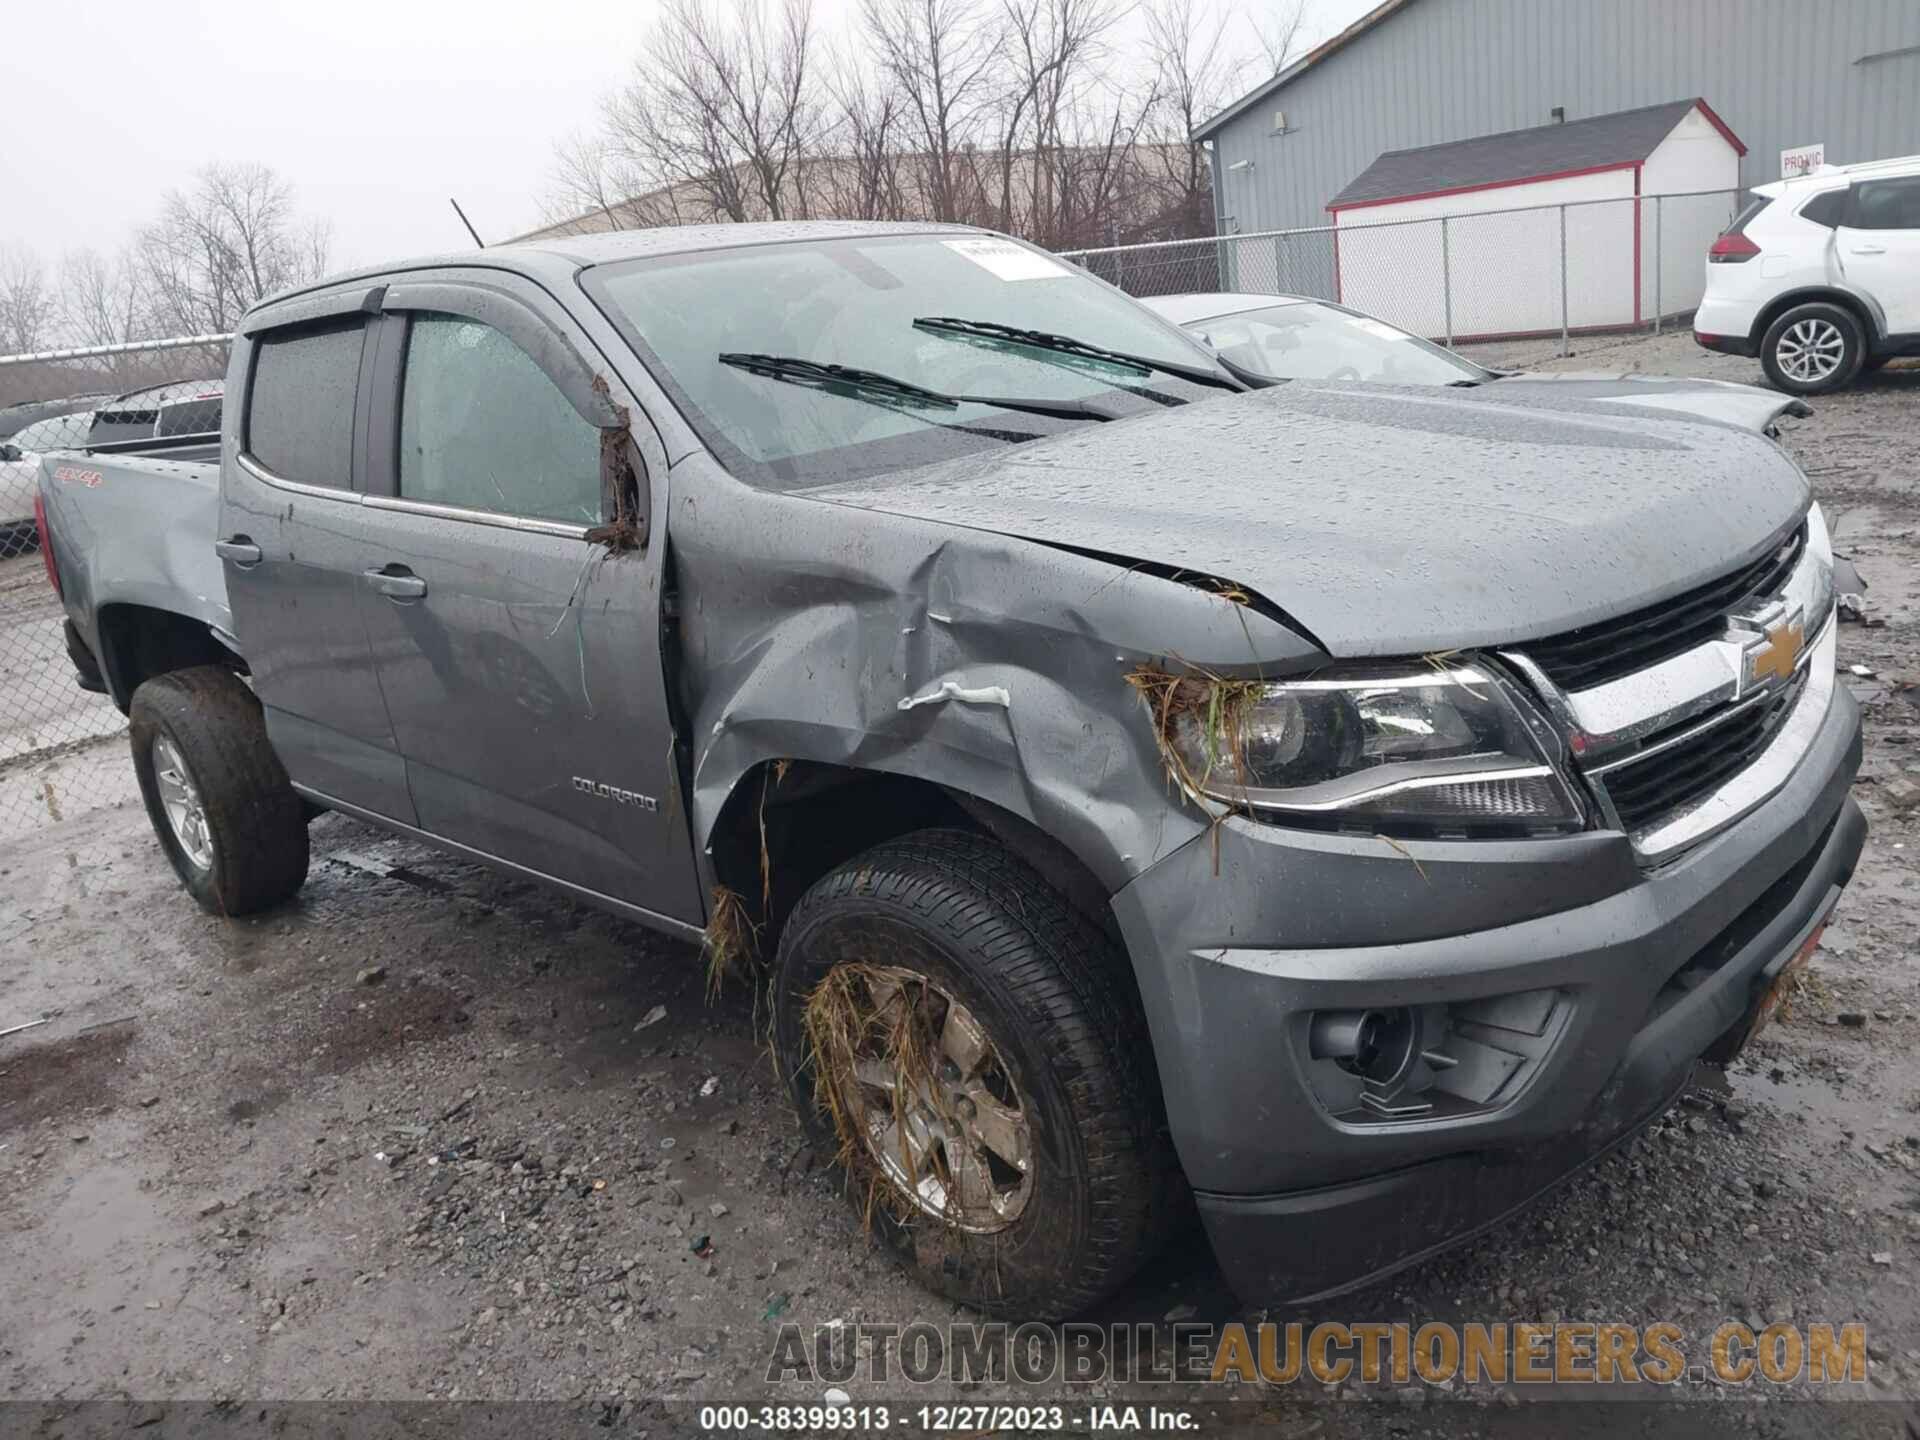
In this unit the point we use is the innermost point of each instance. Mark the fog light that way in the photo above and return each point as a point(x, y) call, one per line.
point(1377, 1045)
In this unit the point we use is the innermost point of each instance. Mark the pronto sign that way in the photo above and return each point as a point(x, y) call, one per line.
point(1802, 160)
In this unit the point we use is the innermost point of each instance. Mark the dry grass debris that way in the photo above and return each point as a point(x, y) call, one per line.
point(1202, 705)
point(863, 1022)
point(732, 939)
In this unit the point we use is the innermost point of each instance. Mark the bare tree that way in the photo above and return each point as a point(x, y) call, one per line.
point(863, 178)
point(590, 187)
point(939, 55)
point(1279, 32)
point(1055, 46)
point(217, 248)
point(999, 112)
point(1196, 71)
point(27, 306)
point(102, 303)
point(722, 109)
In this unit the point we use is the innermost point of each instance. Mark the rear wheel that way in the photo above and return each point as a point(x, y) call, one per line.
point(1812, 349)
point(968, 1047)
point(219, 799)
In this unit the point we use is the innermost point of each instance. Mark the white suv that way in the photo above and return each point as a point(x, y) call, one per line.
point(1819, 276)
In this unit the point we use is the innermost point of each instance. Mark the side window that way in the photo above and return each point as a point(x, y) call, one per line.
point(483, 428)
point(1829, 209)
point(198, 416)
point(1887, 204)
point(300, 407)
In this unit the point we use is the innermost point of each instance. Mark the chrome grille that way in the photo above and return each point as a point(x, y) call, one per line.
point(1678, 769)
point(1683, 716)
point(1595, 654)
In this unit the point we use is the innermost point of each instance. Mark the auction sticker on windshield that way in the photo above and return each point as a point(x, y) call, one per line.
point(1007, 260)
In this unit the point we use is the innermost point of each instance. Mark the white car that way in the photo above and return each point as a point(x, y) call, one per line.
point(20, 470)
point(1819, 276)
point(1292, 337)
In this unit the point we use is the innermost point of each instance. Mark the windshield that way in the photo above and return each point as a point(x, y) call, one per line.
point(853, 303)
point(1308, 340)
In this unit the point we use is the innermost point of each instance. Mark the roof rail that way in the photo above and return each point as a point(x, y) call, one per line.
point(1895, 162)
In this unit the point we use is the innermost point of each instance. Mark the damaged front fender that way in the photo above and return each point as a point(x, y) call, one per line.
point(991, 666)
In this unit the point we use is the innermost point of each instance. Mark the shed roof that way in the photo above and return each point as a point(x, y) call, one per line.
point(1602, 142)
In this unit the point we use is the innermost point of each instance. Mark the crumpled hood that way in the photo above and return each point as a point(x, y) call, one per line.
point(1387, 520)
point(1747, 406)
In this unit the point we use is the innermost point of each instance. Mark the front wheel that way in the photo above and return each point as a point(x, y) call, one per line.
point(220, 802)
point(968, 1047)
point(1812, 349)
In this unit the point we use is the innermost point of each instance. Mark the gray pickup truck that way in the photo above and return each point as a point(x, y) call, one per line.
point(1354, 807)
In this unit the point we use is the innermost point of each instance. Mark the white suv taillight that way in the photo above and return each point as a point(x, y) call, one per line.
point(1731, 248)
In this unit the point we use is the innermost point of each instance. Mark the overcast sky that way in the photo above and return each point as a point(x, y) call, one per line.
point(375, 110)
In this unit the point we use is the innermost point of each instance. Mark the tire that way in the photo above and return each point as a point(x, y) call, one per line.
point(1812, 349)
point(204, 726)
point(1065, 1036)
point(1873, 363)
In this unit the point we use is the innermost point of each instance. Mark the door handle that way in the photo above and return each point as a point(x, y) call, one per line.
point(1869, 249)
point(240, 550)
point(397, 582)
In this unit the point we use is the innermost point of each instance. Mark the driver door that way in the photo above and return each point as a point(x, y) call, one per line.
point(520, 662)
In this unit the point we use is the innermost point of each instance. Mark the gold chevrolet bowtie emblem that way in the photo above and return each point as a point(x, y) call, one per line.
point(1776, 658)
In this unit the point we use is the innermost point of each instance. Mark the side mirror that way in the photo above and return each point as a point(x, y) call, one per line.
point(10, 452)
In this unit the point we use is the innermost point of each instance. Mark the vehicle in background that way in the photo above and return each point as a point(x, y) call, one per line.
point(15, 418)
point(25, 430)
point(1292, 337)
point(1357, 805)
point(19, 470)
point(1819, 276)
point(159, 412)
point(178, 417)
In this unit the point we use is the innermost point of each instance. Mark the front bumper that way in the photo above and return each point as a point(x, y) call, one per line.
point(1235, 949)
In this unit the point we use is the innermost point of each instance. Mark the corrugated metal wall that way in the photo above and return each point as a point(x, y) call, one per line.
point(1779, 72)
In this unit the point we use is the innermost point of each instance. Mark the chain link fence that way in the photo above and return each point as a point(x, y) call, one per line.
point(1625, 266)
point(62, 755)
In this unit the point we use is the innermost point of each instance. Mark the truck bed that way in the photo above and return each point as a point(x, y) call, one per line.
point(137, 529)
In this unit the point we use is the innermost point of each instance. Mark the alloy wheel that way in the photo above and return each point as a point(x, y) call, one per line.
point(1810, 351)
point(180, 798)
point(939, 1109)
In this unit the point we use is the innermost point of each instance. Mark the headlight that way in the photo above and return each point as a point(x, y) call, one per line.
point(1818, 598)
point(1438, 745)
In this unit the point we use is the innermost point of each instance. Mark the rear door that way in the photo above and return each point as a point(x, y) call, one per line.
point(520, 662)
point(293, 539)
point(1880, 248)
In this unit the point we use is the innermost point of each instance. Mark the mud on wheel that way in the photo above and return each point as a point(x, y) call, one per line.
point(969, 1050)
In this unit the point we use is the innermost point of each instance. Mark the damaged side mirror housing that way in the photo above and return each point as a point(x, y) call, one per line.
point(626, 499)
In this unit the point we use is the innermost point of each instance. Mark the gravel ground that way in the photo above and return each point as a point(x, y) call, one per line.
point(434, 1133)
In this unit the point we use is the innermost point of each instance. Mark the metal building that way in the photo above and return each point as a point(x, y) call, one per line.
point(1783, 74)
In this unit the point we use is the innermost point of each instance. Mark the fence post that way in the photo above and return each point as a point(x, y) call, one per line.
point(1658, 266)
point(1446, 279)
point(1563, 282)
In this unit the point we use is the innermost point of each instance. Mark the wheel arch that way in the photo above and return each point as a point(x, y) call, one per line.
point(138, 642)
point(1862, 309)
point(786, 823)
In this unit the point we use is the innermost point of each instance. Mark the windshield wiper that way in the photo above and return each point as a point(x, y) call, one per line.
point(1067, 345)
point(860, 384)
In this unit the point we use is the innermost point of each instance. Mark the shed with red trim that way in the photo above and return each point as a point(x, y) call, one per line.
point(1476, 271)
